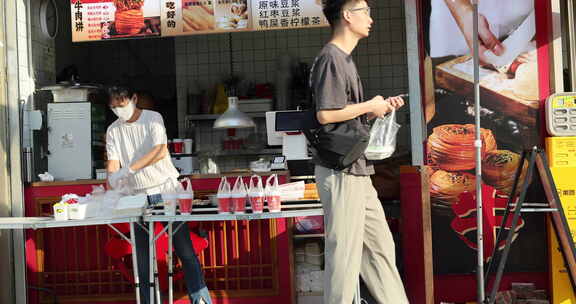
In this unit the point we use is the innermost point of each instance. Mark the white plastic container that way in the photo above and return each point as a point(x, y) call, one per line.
point(61, 211)
point(83, 211)
point(132, 205)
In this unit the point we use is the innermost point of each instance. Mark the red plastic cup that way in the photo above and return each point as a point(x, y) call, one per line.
point(239, 202)
point(274, 204)
point(257, 203)
point(178, 145)
point(185, 202)
point(224, 204)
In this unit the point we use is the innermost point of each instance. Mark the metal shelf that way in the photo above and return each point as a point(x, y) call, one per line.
point(215, 116)
point(308, 236)
point(243, 153)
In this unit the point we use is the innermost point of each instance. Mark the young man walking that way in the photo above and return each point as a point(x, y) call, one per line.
point(357, 237)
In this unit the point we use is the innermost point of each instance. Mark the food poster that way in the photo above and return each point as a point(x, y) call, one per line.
point(106, 19)
point(285, 14)
point(509, 122)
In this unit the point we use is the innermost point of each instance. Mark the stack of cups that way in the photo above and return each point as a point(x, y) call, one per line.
point(188, 146)
point(178, 145)
point(170, 200)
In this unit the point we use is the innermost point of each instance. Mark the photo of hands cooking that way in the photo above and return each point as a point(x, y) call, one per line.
point(509, 113)
point(287, 152)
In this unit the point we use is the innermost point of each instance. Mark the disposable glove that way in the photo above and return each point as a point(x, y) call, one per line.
point(115, 178)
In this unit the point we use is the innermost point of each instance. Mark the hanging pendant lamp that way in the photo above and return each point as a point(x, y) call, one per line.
point(233, 117)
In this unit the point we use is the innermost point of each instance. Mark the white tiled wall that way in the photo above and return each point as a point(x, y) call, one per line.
point(36, 60)
point(204, 60)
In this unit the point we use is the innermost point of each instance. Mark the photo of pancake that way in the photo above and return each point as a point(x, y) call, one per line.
point(452, 146)
point(499, 169)
point(446, 187)
point(451, 161)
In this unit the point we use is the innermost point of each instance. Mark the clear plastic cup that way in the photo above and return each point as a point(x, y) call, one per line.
point(257, 202)
point(170, 201)
point(239, 203)
point(274, 204)
point(224, 203)
point(185, 202)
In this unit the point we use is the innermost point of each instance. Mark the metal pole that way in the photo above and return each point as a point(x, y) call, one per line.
point(170, 270)
point(572, 42)
point(478, 146)
point(134, 262)
point(151, 260)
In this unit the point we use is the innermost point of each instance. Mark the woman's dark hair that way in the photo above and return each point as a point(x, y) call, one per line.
point(119, 92)
point(333, 10)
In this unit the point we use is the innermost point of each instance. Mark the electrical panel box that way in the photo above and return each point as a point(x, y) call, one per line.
point(70, 140)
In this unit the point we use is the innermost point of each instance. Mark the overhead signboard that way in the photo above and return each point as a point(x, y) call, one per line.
point(94, 20)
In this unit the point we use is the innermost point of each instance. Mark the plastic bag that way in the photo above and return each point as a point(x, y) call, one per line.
point(383, 137)
point(239, 195)
point(186, 197)
point(256, 194)
point(292, 191)
point(273, 194)
point(224, 196)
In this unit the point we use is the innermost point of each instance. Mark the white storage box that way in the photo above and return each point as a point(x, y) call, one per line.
point(131, 205)
point(255, 105)
point(83, 211)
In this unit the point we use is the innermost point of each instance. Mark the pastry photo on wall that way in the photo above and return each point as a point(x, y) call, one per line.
point(133, 18)
point(232, 14)
point(198, 15)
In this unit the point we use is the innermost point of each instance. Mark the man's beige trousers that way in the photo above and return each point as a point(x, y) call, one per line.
point(357, 240)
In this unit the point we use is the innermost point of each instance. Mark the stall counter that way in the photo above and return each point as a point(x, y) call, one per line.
point(245, 262)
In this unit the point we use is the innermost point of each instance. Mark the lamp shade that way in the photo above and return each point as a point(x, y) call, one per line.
point(233, 117)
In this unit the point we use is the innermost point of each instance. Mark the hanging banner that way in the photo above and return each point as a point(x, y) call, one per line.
point(112, 19)
point(509, 120)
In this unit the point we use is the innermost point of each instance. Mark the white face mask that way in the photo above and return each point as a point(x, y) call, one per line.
point(125, 112)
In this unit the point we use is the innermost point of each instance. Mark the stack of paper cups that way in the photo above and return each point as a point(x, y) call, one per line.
point(188, 146)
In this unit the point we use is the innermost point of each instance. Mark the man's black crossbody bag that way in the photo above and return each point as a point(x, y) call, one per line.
point(338, 145)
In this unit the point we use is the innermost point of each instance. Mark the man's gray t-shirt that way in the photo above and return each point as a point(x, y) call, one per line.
point(335, 83)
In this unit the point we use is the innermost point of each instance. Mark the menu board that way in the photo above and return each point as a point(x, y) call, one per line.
point(94, 20)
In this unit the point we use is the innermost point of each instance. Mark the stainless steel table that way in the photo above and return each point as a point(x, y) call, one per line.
point(12, 223)
point(289, 209)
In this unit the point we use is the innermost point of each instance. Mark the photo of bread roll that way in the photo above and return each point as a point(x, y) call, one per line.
point(526, 81)
point(198, 18)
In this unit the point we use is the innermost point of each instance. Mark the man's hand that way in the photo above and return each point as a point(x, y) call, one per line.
point(383, 106)
point(116, 177)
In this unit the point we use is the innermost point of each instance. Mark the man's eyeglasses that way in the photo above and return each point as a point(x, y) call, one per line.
point(366, 10)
